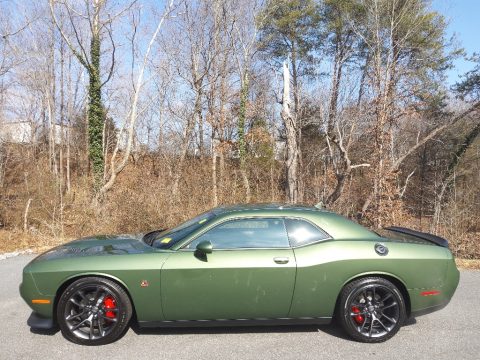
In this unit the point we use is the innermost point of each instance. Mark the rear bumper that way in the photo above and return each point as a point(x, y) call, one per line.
point(36, 321)
point(429, 310)
point(422, 304)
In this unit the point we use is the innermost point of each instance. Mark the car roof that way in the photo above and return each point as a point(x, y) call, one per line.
point(263, 206)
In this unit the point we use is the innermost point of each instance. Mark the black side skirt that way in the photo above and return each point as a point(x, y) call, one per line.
point(236, 322)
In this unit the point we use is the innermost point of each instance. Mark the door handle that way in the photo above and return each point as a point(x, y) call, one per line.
point(281, 260)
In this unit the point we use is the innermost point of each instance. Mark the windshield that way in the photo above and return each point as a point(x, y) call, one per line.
point(166, 239)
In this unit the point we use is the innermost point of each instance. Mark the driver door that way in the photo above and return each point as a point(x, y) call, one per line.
point(249, 274)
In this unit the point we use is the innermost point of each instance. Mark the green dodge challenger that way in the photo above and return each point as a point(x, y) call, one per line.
point(242, 265)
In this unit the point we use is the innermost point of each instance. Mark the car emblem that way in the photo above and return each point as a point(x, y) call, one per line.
point(144, 283)
point(381, 249)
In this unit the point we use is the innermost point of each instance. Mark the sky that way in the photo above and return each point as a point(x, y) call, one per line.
point(463, 17)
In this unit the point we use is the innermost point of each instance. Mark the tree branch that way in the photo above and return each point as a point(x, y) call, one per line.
point(434, 132)
point(83, 60)
point(109, 31)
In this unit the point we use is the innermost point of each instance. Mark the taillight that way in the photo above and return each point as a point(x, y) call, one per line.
point(430, 293)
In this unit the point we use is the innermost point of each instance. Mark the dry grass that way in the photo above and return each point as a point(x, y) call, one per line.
point(468, 264)
point(13, 240)
point(142, 200)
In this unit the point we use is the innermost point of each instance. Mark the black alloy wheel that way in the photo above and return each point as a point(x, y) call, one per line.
point(93, 311)
point(371, 309)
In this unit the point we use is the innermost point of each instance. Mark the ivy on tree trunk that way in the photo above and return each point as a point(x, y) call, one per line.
point(95, 113)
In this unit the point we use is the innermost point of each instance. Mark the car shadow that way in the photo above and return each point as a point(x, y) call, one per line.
point(410, 321)
point(46, 332)
point(334, 329)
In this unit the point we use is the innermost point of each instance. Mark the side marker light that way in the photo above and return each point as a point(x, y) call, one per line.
point(40, 301)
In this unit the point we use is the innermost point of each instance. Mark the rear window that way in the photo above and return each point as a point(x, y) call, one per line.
point(301, 232)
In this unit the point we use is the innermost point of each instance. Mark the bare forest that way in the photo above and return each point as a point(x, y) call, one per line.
point(124, 116)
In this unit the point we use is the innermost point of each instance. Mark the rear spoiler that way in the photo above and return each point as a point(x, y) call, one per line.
point(425, 236)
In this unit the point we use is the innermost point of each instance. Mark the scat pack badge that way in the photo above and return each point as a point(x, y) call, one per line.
point(144, 283)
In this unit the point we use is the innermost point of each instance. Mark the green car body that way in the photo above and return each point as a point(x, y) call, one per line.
point(171, 285)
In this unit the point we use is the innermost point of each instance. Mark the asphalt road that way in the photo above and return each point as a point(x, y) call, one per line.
point(452, 333)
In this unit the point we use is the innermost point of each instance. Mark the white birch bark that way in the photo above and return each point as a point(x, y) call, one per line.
point(292, 143)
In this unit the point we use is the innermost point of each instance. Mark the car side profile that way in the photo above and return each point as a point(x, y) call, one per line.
point(265, 264)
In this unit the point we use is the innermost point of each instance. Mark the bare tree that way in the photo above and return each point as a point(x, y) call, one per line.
point(196, 38)
point(129, 126)
point(92, 15)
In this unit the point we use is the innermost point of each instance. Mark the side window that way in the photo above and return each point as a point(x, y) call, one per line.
point(246, 233)
point(301, 232)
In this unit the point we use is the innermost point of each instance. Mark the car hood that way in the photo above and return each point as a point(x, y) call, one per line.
point(98, 245)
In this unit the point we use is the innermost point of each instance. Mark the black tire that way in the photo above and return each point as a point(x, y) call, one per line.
point(371, 309)
point(93, 311)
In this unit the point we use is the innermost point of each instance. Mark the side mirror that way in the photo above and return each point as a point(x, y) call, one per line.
point(205, 247)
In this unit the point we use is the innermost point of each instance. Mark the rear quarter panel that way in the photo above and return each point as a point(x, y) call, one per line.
point(324, 268)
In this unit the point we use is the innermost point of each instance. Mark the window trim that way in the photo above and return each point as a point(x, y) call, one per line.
point(329, 237)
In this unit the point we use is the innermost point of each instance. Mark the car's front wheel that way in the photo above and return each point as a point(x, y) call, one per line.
point(93, 311)
point(371, 309)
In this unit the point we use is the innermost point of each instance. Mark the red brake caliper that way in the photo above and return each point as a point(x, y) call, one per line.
point(358, 318)
point(109, 303)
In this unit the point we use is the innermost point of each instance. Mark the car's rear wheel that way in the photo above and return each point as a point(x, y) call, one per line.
point(93, 311)
point(371, 309)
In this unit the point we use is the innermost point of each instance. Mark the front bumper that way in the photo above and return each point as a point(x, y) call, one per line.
point(29, 292)
point(36, 321)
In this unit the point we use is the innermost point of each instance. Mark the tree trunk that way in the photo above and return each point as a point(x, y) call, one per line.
point(214, 174)
point(363, 79)
point(183, 154)
point(201, 145)
point(95, 106)
point(292, 144)
point(25, 215)
point(385, 88)
point(332, 108)
point(297, 125)
point(50, 93)
point(241, 133)
point(62, 114)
